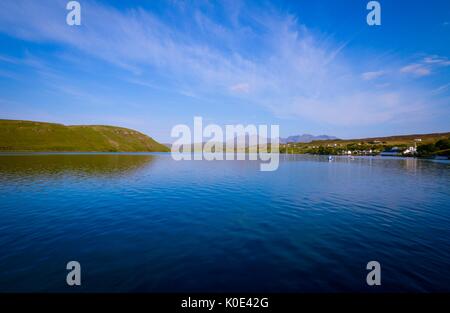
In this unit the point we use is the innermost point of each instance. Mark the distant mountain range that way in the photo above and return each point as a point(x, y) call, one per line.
point(305, 138)
point(255, 140)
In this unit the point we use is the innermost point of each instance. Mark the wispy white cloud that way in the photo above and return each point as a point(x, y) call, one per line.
point(291, 71)
point(7, 59)
point(242, 87)
point(372, 75)
point(441, 89)
point(416, 69)
point(425, 66)
point(437, 60)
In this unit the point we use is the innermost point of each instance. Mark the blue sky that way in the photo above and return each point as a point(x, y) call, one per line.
point(309, 66)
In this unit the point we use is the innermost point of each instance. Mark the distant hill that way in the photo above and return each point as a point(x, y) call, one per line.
point(18, 135)
point(248, 142)
point(305, 138)
point(421, 145)
point(401, 138)
point(392, 140)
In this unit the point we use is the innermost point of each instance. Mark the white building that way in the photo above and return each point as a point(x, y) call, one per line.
point(410, 150)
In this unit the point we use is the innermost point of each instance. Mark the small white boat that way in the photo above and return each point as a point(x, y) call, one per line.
point(330, 158)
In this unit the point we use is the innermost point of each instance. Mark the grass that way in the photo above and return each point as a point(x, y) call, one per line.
point(16, 135)
point(376, 144)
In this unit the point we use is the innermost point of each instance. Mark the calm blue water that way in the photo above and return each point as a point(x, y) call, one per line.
point(145, 223)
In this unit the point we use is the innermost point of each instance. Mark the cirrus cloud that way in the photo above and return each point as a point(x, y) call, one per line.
point(294, 72)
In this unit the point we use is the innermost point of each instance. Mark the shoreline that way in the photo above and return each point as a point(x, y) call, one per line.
point(340, 156)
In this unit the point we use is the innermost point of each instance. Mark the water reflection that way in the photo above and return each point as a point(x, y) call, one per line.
point(146, 223)
point(33, 165)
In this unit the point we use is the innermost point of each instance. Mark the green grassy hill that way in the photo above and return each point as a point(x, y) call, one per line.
point(427, 145)
point(37, 136)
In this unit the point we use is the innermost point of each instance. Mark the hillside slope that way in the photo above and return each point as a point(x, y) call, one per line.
point(305, 138)
point(37, 136)
point(427, 145)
